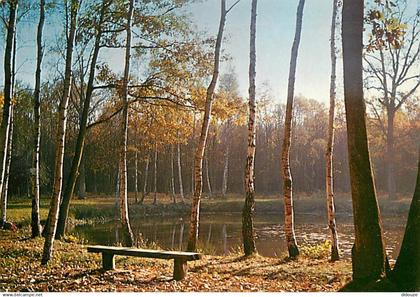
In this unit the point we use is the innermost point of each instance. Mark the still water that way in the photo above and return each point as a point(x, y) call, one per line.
point(221, 233)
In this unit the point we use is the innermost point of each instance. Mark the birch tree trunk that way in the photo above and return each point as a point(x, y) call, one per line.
point(5, 193)
point(128, 237)
point(368, 253)
point(248, 232)
point(172, 175)
point(285, 158)
point(330, 143)
point(199, 154)
point(80, 142)
point(206, 159)
point(146, 177)
point(155, 176)
point(35, 191)
point(225, 171)
point(7, 93)
point(181, 187)
point(390, 155)
point(60, 138)
point(136, 177)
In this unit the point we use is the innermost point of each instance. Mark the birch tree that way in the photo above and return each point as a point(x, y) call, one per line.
point(128, 237)
point(35, 191)
point(330, 143)
point(248, 232)
point(199, 153)
point(285, 156)
point(61, 137)
point(5, 122)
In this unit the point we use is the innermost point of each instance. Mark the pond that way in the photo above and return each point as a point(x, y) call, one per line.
point(221, 233)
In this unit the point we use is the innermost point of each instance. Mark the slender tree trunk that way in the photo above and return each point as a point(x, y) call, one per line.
point(60, 138)
point(285, 159)
point(155, 176)
point(330, 143)
point(5, 122)
point(136, 177)
point(172, 175)
point(206, 160)
point(368, 253)
point(128, 237)
point(390, 156)
point(5, 194)
point(80, 142)
point(146, 177)
point(35, 192)
point(199, 154)
point(225, 171)
point(406, 271)
point(248, 232)
point(81, 191)
point(181, 187)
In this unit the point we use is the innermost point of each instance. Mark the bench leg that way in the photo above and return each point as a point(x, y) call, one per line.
point(180, 269)
point(108, 262)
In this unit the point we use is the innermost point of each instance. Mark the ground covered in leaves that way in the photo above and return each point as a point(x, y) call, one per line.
point(73, 269)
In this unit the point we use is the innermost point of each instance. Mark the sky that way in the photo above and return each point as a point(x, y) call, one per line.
point(275, 32)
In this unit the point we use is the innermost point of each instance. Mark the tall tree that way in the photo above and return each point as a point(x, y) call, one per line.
point(248, 232)
point(80, 142)
point(391, 59)
point(35, 222)
point(201, 145)
point(285, 156)
point(128, 237)
point(8, 89)
point(368, 252)
point(330, 143)
point(61, 136)
point(181, 187)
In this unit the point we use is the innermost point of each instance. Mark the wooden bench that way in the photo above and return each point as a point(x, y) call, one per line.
point(180, 258)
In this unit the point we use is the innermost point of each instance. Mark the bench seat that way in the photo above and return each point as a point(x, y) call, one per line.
point(180, 258)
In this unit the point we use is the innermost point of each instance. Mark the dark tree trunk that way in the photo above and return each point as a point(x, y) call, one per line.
point(80, 142)
point(81, 181)
point(368, 253)
point(248, 232)
point(406, 271)
point(285, 157)
point(35, 222)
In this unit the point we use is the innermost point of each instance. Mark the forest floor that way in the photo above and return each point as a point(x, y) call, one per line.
point(73, 269)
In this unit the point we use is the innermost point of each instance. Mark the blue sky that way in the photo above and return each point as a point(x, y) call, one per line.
point(275, 32)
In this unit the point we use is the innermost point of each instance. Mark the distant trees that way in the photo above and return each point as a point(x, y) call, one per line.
point(391, 56)
point(368, 253)
point(287, 138)
point(248, 232)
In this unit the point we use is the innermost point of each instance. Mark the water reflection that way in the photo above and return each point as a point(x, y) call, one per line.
point(221, 233)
